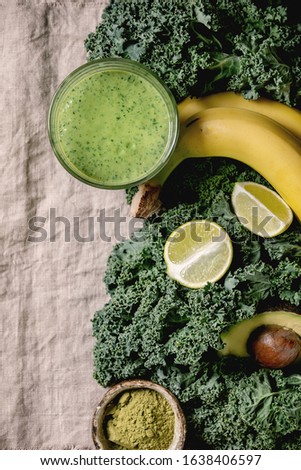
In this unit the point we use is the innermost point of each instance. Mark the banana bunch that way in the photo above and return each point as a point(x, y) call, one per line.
point(286, 116)
point(264, 134)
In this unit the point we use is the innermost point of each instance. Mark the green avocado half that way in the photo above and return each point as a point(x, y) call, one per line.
point(235, 339)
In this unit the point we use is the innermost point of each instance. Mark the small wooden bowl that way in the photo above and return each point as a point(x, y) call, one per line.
point(98, 435)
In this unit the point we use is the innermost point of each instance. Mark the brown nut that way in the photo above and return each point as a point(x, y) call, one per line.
point(274, 346)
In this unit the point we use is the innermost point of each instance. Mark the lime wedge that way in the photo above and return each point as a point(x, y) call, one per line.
point(260, 209)
point(198, 252)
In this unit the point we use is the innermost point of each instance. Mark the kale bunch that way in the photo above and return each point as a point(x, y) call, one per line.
point(152, 327)
point(204, 46)
point(232, 406)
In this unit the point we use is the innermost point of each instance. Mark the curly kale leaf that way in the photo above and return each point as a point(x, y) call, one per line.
point(152, 33)
point(264, 44)
point(201, 47)
point(152, 321)
point(286, 244)
point(260, 281)
point(152, 327)
point(237, 408)
point(209, 310)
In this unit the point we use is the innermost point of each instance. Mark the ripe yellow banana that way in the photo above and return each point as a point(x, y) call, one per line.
point(285, 115)
point(249, 137)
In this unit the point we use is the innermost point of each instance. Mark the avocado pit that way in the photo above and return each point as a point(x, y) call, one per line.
point(274, 346)
point(272, 338)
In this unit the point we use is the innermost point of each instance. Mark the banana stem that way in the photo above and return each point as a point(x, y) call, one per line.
point(146, 201)
point(176, 158)
point(181, 151)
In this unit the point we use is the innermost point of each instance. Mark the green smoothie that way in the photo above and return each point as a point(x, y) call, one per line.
point(113, 127)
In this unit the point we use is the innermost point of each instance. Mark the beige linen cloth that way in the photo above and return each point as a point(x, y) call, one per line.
point(51, 283)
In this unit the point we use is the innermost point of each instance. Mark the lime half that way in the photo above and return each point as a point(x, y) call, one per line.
point(198, 252)
point(260, 209)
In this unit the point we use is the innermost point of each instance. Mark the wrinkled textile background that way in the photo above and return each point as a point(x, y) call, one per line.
point(49, 289)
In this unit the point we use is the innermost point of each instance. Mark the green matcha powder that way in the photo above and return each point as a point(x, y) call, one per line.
point(140, 420)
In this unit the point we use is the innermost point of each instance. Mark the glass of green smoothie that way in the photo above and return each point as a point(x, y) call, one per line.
point(113, 123)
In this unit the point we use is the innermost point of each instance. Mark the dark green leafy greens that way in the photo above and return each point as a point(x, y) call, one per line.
point(245, 409)
point(199, 47)
point(152, 327)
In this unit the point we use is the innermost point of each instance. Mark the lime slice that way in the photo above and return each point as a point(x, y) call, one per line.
point(260, 209)
point(198, 252)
